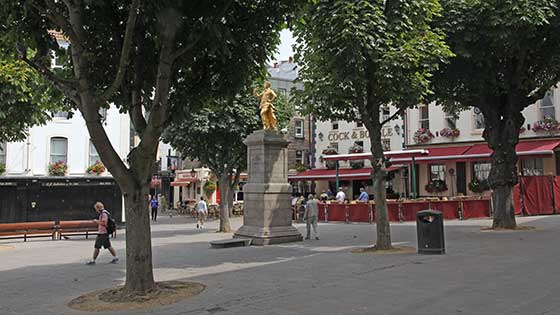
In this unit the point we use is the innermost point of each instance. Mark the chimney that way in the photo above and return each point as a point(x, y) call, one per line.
point(276, 65)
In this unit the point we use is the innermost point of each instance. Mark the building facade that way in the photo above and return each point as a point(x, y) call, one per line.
point(458, 154)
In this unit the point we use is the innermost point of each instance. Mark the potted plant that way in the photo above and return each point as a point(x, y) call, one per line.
point(423, 135)
point(209, 188)
point(96, 168)
point(356, 148)
point(300, 168)
point(449, 132)
point(330, 151)
point(58, 168)
point(548, 125)
point(436, 186)
point(522, 130)
point(479, 186)
point(2, 168)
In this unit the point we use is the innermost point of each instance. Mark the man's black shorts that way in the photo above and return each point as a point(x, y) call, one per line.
point(102, 240)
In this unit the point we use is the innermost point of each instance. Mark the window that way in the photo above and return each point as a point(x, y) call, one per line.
point(3, 147)
point(282, 92)
point(359, 124)
point(299, 128)
point(451, 121)
point(360, 143)
point(424, 117)
point(59, 149)
point(299, 157)
point(481, 170)
point(334, 145)
point(478, 119)
point(386, 144)
point(437, 171)
point(533, 167)
point(385, 113)
point(547, 106)
point(335, 125)
point(93, 155)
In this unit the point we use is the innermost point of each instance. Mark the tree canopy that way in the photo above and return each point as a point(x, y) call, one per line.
point(507, 57)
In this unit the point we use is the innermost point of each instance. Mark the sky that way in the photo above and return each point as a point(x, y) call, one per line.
point(285, 49)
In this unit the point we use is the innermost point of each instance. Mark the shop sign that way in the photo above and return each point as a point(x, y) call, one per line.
point(353, 135)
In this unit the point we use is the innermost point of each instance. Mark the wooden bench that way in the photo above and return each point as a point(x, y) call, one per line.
point(28, 230)
point(78, 227)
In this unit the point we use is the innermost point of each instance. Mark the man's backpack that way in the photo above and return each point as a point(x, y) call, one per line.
point(111, 224)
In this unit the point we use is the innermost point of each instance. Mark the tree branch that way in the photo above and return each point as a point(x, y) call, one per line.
point(57, 18)
point(125, 52)
point(67, 87)
point(539, 93)
point(397, 113)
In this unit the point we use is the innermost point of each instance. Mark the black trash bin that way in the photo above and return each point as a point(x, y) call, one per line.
point(429, 230)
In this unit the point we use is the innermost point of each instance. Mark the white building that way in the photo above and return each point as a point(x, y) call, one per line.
point(458, 159)
point(67, 140)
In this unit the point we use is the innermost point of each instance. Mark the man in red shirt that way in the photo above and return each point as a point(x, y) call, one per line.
point(102, 235)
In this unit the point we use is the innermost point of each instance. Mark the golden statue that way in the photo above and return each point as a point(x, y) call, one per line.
point(267, 108)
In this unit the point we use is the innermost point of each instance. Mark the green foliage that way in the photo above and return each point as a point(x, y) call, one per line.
point(96, 168)
point(505, 50)
point(2, 168)
point(357, 56)
point(210, 187)
point(436, 186)
point(214, 135)
point(479, 186)
point(25, 100)
point(59, 168)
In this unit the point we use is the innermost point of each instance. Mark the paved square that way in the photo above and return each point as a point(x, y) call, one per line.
point(482, 272)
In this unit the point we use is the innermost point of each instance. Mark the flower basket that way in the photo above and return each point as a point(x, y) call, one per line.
point(548, 125)
point(210, 187)
point(2, 168)
point(58, 169)
point(436, 186)
point(96, 168)
point(330, 151)
point(522, 130)
point(356, 149)
point(423, 135)
point(300, 168)
point(479, 186)
point(449, 132)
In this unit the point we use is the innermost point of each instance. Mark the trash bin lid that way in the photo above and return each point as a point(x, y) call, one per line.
point(428, 212)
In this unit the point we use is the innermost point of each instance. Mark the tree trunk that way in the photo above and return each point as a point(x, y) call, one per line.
point(225, 192)
point(139, 273)
point(378, 175)
point(502, 135)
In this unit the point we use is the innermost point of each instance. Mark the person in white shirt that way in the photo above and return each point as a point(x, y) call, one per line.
point(202, 211)
point(340, 196)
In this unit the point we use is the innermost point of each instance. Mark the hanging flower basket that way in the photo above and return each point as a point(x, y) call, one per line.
point(423, 135)
point(356, 149)
point(436, 186)
point(330, 151)
point(522, 130)
point(479, 186)
point(549, 125)
point(96, 168)
point(450, 132)
point(300, 168)
point(210, 187)
point(58, 169)
point(2, 168)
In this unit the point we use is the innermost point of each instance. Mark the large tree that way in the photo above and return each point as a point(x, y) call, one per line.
point(214, 136)
point(359, 56)
point(137, 54)
point(507, 57)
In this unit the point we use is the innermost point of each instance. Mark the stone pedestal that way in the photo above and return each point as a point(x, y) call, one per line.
point(267, 208)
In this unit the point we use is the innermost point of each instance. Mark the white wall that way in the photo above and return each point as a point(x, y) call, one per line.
point(349, 132)
point(466, 123)
point(38, 145)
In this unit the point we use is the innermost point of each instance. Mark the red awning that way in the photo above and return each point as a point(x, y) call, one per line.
point(529, 149)
point(343, 174)
point(184, 181)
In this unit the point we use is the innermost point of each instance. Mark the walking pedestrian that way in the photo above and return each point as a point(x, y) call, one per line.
point(154, 204)
point(312, 216)
point(202, 211)
point(102, 238)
